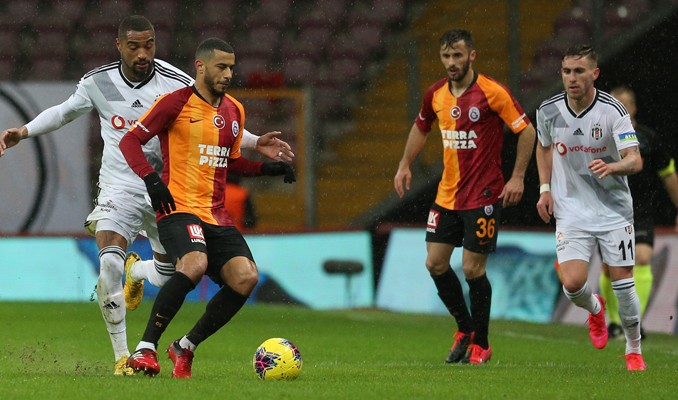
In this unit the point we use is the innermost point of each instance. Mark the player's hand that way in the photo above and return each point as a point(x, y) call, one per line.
point(545, 207)
point(403, 174)
point(279, 168)
point(271, 146)
point(601, 168)
point(11, 137)
point(161, 198)
point(512, 192)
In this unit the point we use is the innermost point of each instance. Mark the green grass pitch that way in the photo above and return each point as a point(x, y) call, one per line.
point(62, 351)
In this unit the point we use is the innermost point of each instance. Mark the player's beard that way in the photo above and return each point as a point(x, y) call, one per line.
point(462, 71)
point(214, 85)
point(141, 74)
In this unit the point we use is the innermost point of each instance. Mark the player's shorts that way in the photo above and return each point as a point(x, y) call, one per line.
point(643, 223)
point(617, 247)
point(183, 233)
point(476, 230)
point(125, 213)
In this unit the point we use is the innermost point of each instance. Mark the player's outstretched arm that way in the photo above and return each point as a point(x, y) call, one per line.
point(270, 145)
point(10, 137)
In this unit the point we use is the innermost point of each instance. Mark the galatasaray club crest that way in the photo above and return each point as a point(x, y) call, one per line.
point(455, 112)
point(489, 210)
point(219, 121)
point(597, 132)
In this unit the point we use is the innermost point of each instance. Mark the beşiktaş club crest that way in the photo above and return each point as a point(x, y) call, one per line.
point(629, 229)
point(489, 210)
point(597, 132)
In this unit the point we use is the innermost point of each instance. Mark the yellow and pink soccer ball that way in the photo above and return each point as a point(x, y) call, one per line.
point(277, 359)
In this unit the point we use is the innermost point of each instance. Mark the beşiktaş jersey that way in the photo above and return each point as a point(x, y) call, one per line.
point(119, 103)
point(582, 200)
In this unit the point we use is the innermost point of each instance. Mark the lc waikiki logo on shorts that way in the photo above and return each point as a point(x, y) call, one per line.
point(432, 223)
point(195, 233)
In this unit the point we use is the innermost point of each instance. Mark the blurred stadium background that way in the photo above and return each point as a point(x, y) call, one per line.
point(343, 80)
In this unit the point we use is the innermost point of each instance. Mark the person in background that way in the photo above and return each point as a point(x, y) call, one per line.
point(658, 169)
point(239, 203)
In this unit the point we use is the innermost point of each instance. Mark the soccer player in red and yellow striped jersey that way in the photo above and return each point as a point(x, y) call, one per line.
point(471, 110)
point(200, 130)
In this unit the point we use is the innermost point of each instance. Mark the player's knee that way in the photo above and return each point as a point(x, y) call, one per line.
point(436, 267)
point(111, 266)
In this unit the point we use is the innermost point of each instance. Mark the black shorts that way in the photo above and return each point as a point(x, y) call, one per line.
point(182, 233)
point(476, 230)
point(643, 225)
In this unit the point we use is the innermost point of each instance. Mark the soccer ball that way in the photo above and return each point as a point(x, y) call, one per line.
point(277, 359)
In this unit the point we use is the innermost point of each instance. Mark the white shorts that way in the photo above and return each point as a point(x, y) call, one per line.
point(617, 247)
point(124, 213)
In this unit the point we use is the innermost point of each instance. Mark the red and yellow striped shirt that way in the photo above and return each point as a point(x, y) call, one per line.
point(198, 142)
point(472, 136)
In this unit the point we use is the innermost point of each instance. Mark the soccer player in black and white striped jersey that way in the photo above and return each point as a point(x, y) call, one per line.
point(587, 146)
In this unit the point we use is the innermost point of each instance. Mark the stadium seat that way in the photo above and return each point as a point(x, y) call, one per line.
point(163, 14)
point(369, 36)
point(618, 19)
point(347, 69)
point(19, 13)
point(266, 36)
point(107, 15)
point(50, 43)
point(47, 68)
point(389, 11)
point(8, 35)
point(61, 15)
point(299, 70)
point(245, 66)
point(271, 13)
point(333, 9)
point(6, 69)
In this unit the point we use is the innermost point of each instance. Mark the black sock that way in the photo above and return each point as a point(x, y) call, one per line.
point(449, 291)
point(220, 309)
point(480, 292)
point(167, 304)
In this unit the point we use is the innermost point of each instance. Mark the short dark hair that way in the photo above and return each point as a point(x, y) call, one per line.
point(617, 90)
point(207, 47)
point(581, 51)
point(455, 35)
point(137, 23)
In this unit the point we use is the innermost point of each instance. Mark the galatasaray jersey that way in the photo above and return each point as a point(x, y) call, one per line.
point(472, 134)
point(582, 200)
point(119, 103)
point(197, 140)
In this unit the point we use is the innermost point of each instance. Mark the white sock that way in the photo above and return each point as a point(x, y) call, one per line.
point(155, 272)
point(187, 344)
point(111, 298)
point(629, 312)
point(584, 298)
point(145, 345)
